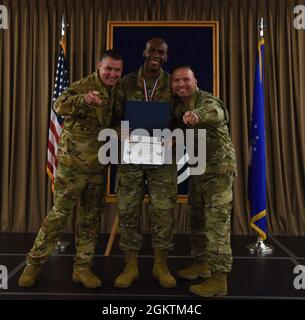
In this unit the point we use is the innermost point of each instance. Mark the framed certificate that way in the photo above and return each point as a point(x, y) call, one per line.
point(193, 43)
point(148, 115)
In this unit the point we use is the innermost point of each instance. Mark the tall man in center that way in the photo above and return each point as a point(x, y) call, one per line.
point(149, 83)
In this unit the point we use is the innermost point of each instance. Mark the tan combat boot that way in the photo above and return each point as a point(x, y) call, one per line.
point(130, 273)
point(195, 271)
point(160, 270)
point(214, 286)
point(84, 275)
point(29, 275)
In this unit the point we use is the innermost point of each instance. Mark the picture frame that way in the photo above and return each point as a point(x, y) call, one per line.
point(193, 43)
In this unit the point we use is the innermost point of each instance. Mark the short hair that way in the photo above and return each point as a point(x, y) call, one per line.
point(157, 39)
point(183, 66)
point(113, 54)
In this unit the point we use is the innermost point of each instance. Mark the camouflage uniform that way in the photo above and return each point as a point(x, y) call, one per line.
point(79, 173)
point(210, 194)
point(130, 184)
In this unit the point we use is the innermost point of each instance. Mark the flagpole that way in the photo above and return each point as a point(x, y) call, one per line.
point(63, 26)
point(61, 245)
point(261, 28)
point(259, 248)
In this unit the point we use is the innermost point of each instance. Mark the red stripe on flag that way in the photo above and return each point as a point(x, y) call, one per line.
point(50, 169)
point(51, 148)
point(54, 131)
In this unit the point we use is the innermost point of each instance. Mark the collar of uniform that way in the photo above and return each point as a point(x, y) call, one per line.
point(100, 85)
point(192, 102)
point(140, 77)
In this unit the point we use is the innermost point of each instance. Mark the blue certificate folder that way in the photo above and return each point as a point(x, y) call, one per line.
point(147, 115)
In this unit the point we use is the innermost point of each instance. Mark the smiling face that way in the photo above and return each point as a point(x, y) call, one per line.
point(110, 71)
point(155, 54)
point(184, 83)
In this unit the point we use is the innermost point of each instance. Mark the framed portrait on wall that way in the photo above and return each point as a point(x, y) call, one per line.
point(193, 43)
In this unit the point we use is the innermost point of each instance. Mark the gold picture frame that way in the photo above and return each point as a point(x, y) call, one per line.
point(135, 33)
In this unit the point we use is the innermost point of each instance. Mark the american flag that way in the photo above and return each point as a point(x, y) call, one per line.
point(56, 121)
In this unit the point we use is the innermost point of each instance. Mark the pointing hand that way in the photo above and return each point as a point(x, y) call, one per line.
point(93, 98)
point(190, 118)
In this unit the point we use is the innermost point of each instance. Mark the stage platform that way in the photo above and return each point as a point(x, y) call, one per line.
point(252, 277)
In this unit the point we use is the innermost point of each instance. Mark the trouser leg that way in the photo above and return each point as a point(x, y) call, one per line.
point(68, 185)
point(197, 222)
point(91, 205)
point(130, 192)
point(210, 224)
point(162, 189)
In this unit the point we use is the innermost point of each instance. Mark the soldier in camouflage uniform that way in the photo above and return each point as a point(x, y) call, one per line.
point(149, 83)
point(210, 194)
point(87, 109)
